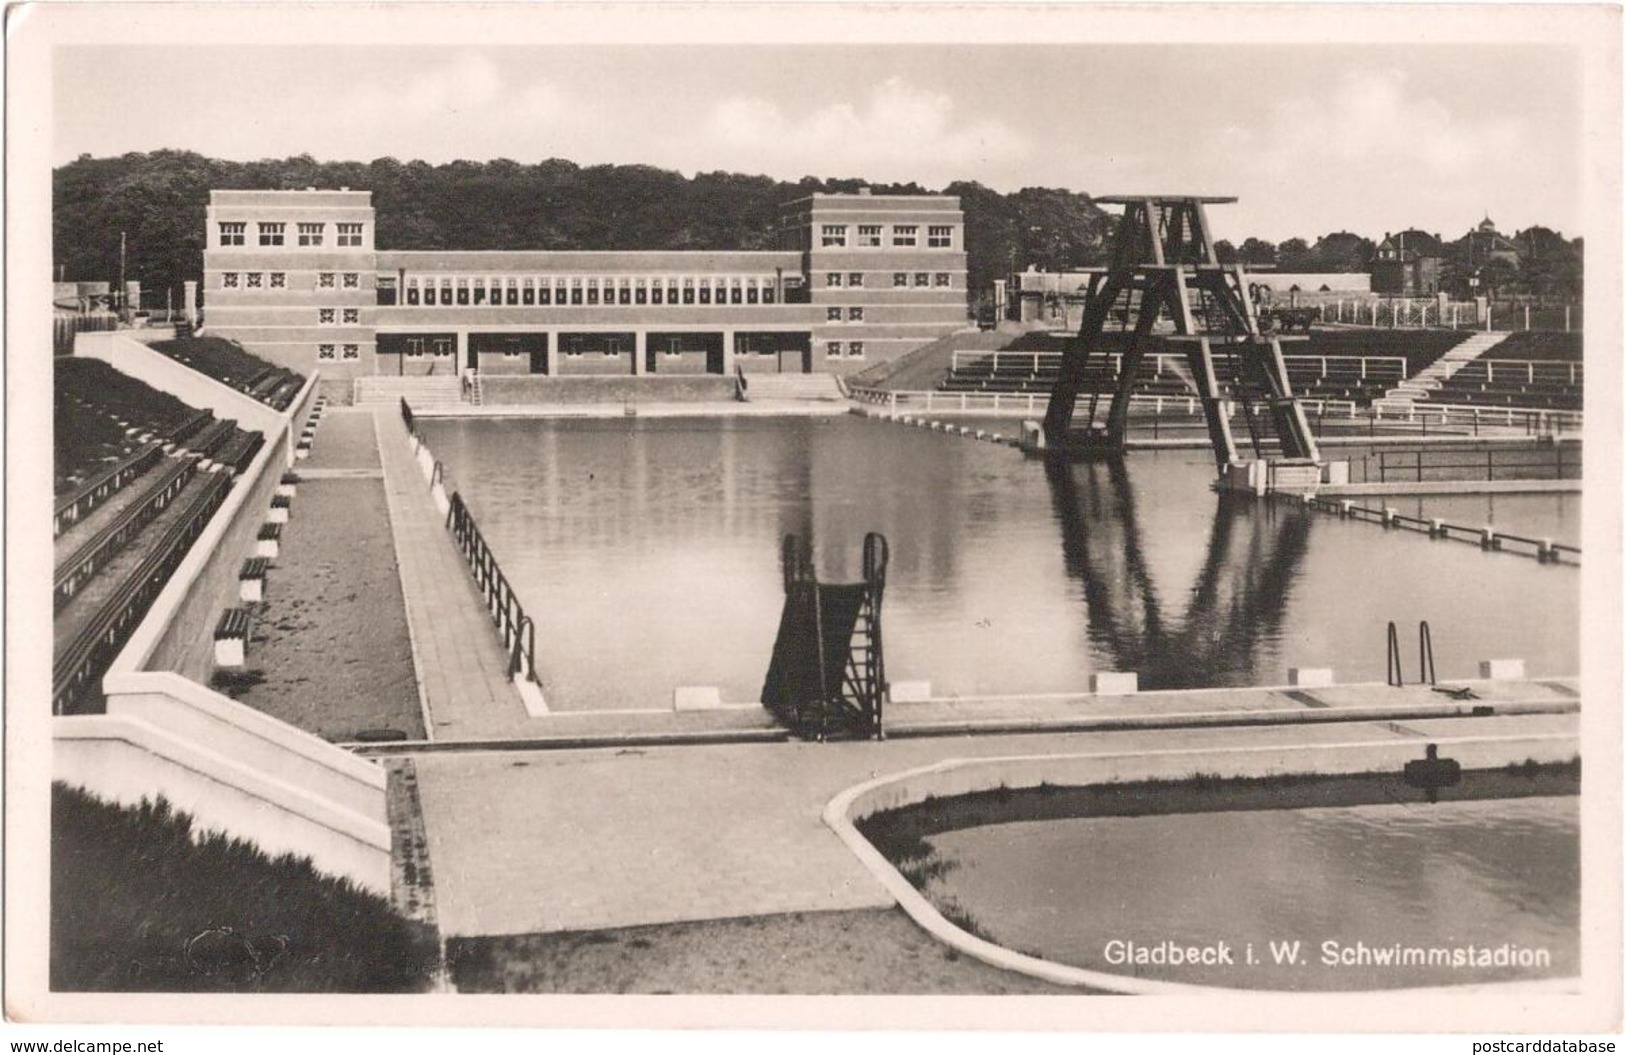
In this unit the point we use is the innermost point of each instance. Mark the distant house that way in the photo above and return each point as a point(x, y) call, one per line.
point(1408, 264)
point(1484, 244)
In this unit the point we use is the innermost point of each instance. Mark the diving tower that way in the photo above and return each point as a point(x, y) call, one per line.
point(1165, 285)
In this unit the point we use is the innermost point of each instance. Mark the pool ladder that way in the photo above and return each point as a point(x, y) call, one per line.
point(1424, 639)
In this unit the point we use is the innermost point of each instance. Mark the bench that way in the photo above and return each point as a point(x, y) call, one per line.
point(251, 580)
point(278, 513)
point(231, 637)
point(268, 542)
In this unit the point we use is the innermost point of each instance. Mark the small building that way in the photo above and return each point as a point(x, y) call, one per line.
point(1484, 244)
point(295, 277)
point(1408, 264)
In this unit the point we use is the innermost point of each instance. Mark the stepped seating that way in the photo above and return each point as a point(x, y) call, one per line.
point(792, 388)
point(1540, 345)
point(104, 417)
point(228, 363)
point(123, 529)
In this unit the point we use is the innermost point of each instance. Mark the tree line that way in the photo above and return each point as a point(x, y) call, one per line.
point(157, 201)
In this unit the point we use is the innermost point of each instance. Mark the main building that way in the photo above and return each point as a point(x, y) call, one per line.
point(295, 277)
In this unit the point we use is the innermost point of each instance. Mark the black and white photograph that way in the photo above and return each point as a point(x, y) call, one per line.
point(636, 516)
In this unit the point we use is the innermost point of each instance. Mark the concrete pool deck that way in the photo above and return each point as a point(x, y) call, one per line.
point(602, 819)
point(530, 842)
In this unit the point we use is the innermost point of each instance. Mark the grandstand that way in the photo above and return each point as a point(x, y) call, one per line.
point(1532, 369)
point(1355, 366)
point(138, 475)
point(228, 363)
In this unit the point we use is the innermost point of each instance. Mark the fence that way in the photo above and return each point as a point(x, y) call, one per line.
point(1362, 366)
point(1558, 461)
point(1408, 313)
point(516, 628)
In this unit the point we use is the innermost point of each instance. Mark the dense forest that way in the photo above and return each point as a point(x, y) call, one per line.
point(157, 202)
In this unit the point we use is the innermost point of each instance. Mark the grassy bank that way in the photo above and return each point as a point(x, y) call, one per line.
point(858, 952)
point(139, 904)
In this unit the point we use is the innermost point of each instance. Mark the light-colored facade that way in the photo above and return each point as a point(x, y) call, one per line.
point(294, 277)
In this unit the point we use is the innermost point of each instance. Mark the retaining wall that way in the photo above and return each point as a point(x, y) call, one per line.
point(510, 391)
point(124, 759)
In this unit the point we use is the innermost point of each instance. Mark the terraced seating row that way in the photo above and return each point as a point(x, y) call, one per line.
point(1538, 344)
point(228, 363)
point(81, 656)
point(89, 557)
point(103, 417)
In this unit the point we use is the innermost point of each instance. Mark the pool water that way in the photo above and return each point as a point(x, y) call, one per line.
point(1330, 898)
point(647, 552)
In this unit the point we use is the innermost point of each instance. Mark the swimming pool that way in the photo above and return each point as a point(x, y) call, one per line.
point(647, 551)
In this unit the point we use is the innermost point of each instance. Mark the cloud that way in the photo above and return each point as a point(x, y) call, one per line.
point(898, 132)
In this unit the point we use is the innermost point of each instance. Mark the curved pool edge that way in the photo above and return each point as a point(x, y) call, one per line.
point(959, 776)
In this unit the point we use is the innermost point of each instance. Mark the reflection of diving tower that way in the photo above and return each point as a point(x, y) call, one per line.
point(1163, 260)
point(1237, 602)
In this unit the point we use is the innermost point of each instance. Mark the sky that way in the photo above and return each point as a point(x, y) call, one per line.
point(1312, 138)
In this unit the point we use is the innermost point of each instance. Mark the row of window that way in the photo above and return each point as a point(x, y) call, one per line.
point(327, 351)
point(899, 279)
point(329, 316)
point(276, 233)
point(848, 350)
point(279, 279)
point(872, 236)
point(850, 314)
point(576, 290)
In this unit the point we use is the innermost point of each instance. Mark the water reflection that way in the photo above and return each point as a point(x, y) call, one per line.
point(1239, 598)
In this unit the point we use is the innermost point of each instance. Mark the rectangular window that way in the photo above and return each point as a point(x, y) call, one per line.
point(943, 279)
point(832, 314)
point(413, 295)
point(770, 293)
point(544, 293)
point(575, 291)
point(324, 280)
point(279, 280)
point(855, 280)
point(854, 314)
point(428, 294)
point(444, 347)
point(905, 234)
point(325, 351)
point(834, 234)
point(832, 349)
point(899, 278)
point(854, 350)
point(255, 280)
point(271, 233)
point(705, 291)
point(311, 233)
point(414, 347)
point(386, 291)
point(462, 291)
point(513, 291)
point(833, 280)
point(352, 351)
point(592, 291)
point(626, 291)
point(752, 294)
point(229, 280)
point(352, 315)
point(528, 292)
point(657, 293)
point(688, 291)
point(233, 233)
point(939, 237)
point(352, 280)
point(921, 278)
point(643, 291)
point(325, 316)
point(869, 235)
point(479, 291)
point(349, 234)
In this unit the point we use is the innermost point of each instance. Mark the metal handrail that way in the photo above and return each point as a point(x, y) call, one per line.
point(516, 628)
point(1424, 635)
point(408, 417)
point(1396, 675)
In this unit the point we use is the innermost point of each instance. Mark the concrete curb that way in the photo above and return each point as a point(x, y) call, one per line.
point(838, 817)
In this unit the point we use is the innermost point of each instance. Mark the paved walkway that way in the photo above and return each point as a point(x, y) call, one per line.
point(524, 842)
point(461, 670)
